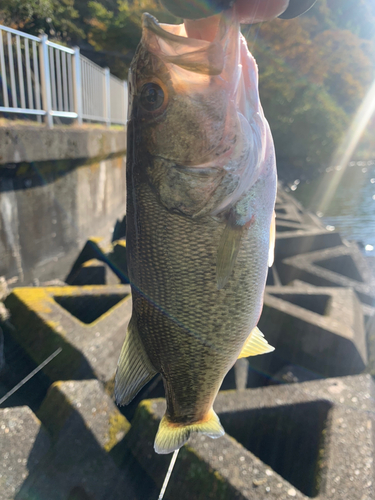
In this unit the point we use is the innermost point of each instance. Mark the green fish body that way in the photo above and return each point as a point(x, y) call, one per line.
point(201, 186)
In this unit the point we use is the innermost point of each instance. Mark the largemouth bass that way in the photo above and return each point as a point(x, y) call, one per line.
point(201, 187)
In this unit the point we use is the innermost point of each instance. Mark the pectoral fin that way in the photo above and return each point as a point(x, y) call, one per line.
point(134, 369)
point(255, 344)
point(227, 252)
point(271, 251)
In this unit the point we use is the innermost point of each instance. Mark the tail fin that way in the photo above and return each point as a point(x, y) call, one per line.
point(171, 437)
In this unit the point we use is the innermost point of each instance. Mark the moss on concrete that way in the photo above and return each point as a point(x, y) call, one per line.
point(38, 330)
point(118, 427)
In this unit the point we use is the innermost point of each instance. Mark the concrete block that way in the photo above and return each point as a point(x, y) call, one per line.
point(86, 428)
point(89, 324)
point(368, 311)
point(303, 240)
point(94, 272)
point(273, 277)
point(23, 444)
point(97, 262)
point(294, 207)
point(370, 334)
point(314, 440)
point(318, 330)
point(283, 226)
point(287, 212)
point(343, 266)
point(119, 230)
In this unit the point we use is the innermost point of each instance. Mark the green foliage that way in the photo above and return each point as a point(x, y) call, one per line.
point(304, 119)
point(117, 32)
point(57, 18)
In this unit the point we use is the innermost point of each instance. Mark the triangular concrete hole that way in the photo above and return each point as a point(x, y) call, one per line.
point(88, 308)
point(287, 438)
point(313, 302)
point(342, 264)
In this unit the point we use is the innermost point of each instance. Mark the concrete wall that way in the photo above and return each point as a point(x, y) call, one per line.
point(66, 185)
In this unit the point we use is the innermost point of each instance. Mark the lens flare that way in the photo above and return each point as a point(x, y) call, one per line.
point(345, 151)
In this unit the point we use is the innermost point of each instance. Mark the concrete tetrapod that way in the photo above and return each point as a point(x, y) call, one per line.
point(85, 428)
point(89, 324)
point(339, 266)
point(313, 439)
point(24, 442)
point(318, 330)
point(97, 264)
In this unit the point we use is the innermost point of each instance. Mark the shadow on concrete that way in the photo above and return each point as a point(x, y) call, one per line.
point(77, 468)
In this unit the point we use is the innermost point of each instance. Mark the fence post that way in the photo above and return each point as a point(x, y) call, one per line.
point(125, 83)
point(77, 84)
point(107, 96)
point(45, 80)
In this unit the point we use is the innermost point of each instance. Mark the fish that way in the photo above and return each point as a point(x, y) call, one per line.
point(201, 189)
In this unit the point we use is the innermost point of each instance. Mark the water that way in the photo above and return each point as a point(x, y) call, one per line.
point(345, 200)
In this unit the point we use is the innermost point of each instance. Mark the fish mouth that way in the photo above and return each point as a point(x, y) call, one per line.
point(171, 43)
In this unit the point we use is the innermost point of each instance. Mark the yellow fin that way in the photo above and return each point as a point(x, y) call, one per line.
point(271, 250)
point(171, 437)
point(227, 252)
point(134, 369)
point(255, 344)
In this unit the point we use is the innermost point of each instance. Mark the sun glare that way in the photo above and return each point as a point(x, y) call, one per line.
point(346, 149)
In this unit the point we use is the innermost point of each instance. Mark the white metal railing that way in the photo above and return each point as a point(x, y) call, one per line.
point(42, 78)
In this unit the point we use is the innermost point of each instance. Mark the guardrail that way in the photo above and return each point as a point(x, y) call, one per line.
point(45, 79)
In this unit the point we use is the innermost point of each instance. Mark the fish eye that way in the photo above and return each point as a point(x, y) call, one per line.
point(152, 96)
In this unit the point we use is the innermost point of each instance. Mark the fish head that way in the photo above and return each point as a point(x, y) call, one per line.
point(181, 91)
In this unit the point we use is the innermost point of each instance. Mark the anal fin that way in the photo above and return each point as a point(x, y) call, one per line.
point(171, 436)
point(255, 344)
point(134, 369)
point(227, 252)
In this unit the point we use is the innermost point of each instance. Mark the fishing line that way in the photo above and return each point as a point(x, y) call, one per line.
point(30, 375)
point(168, 475)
